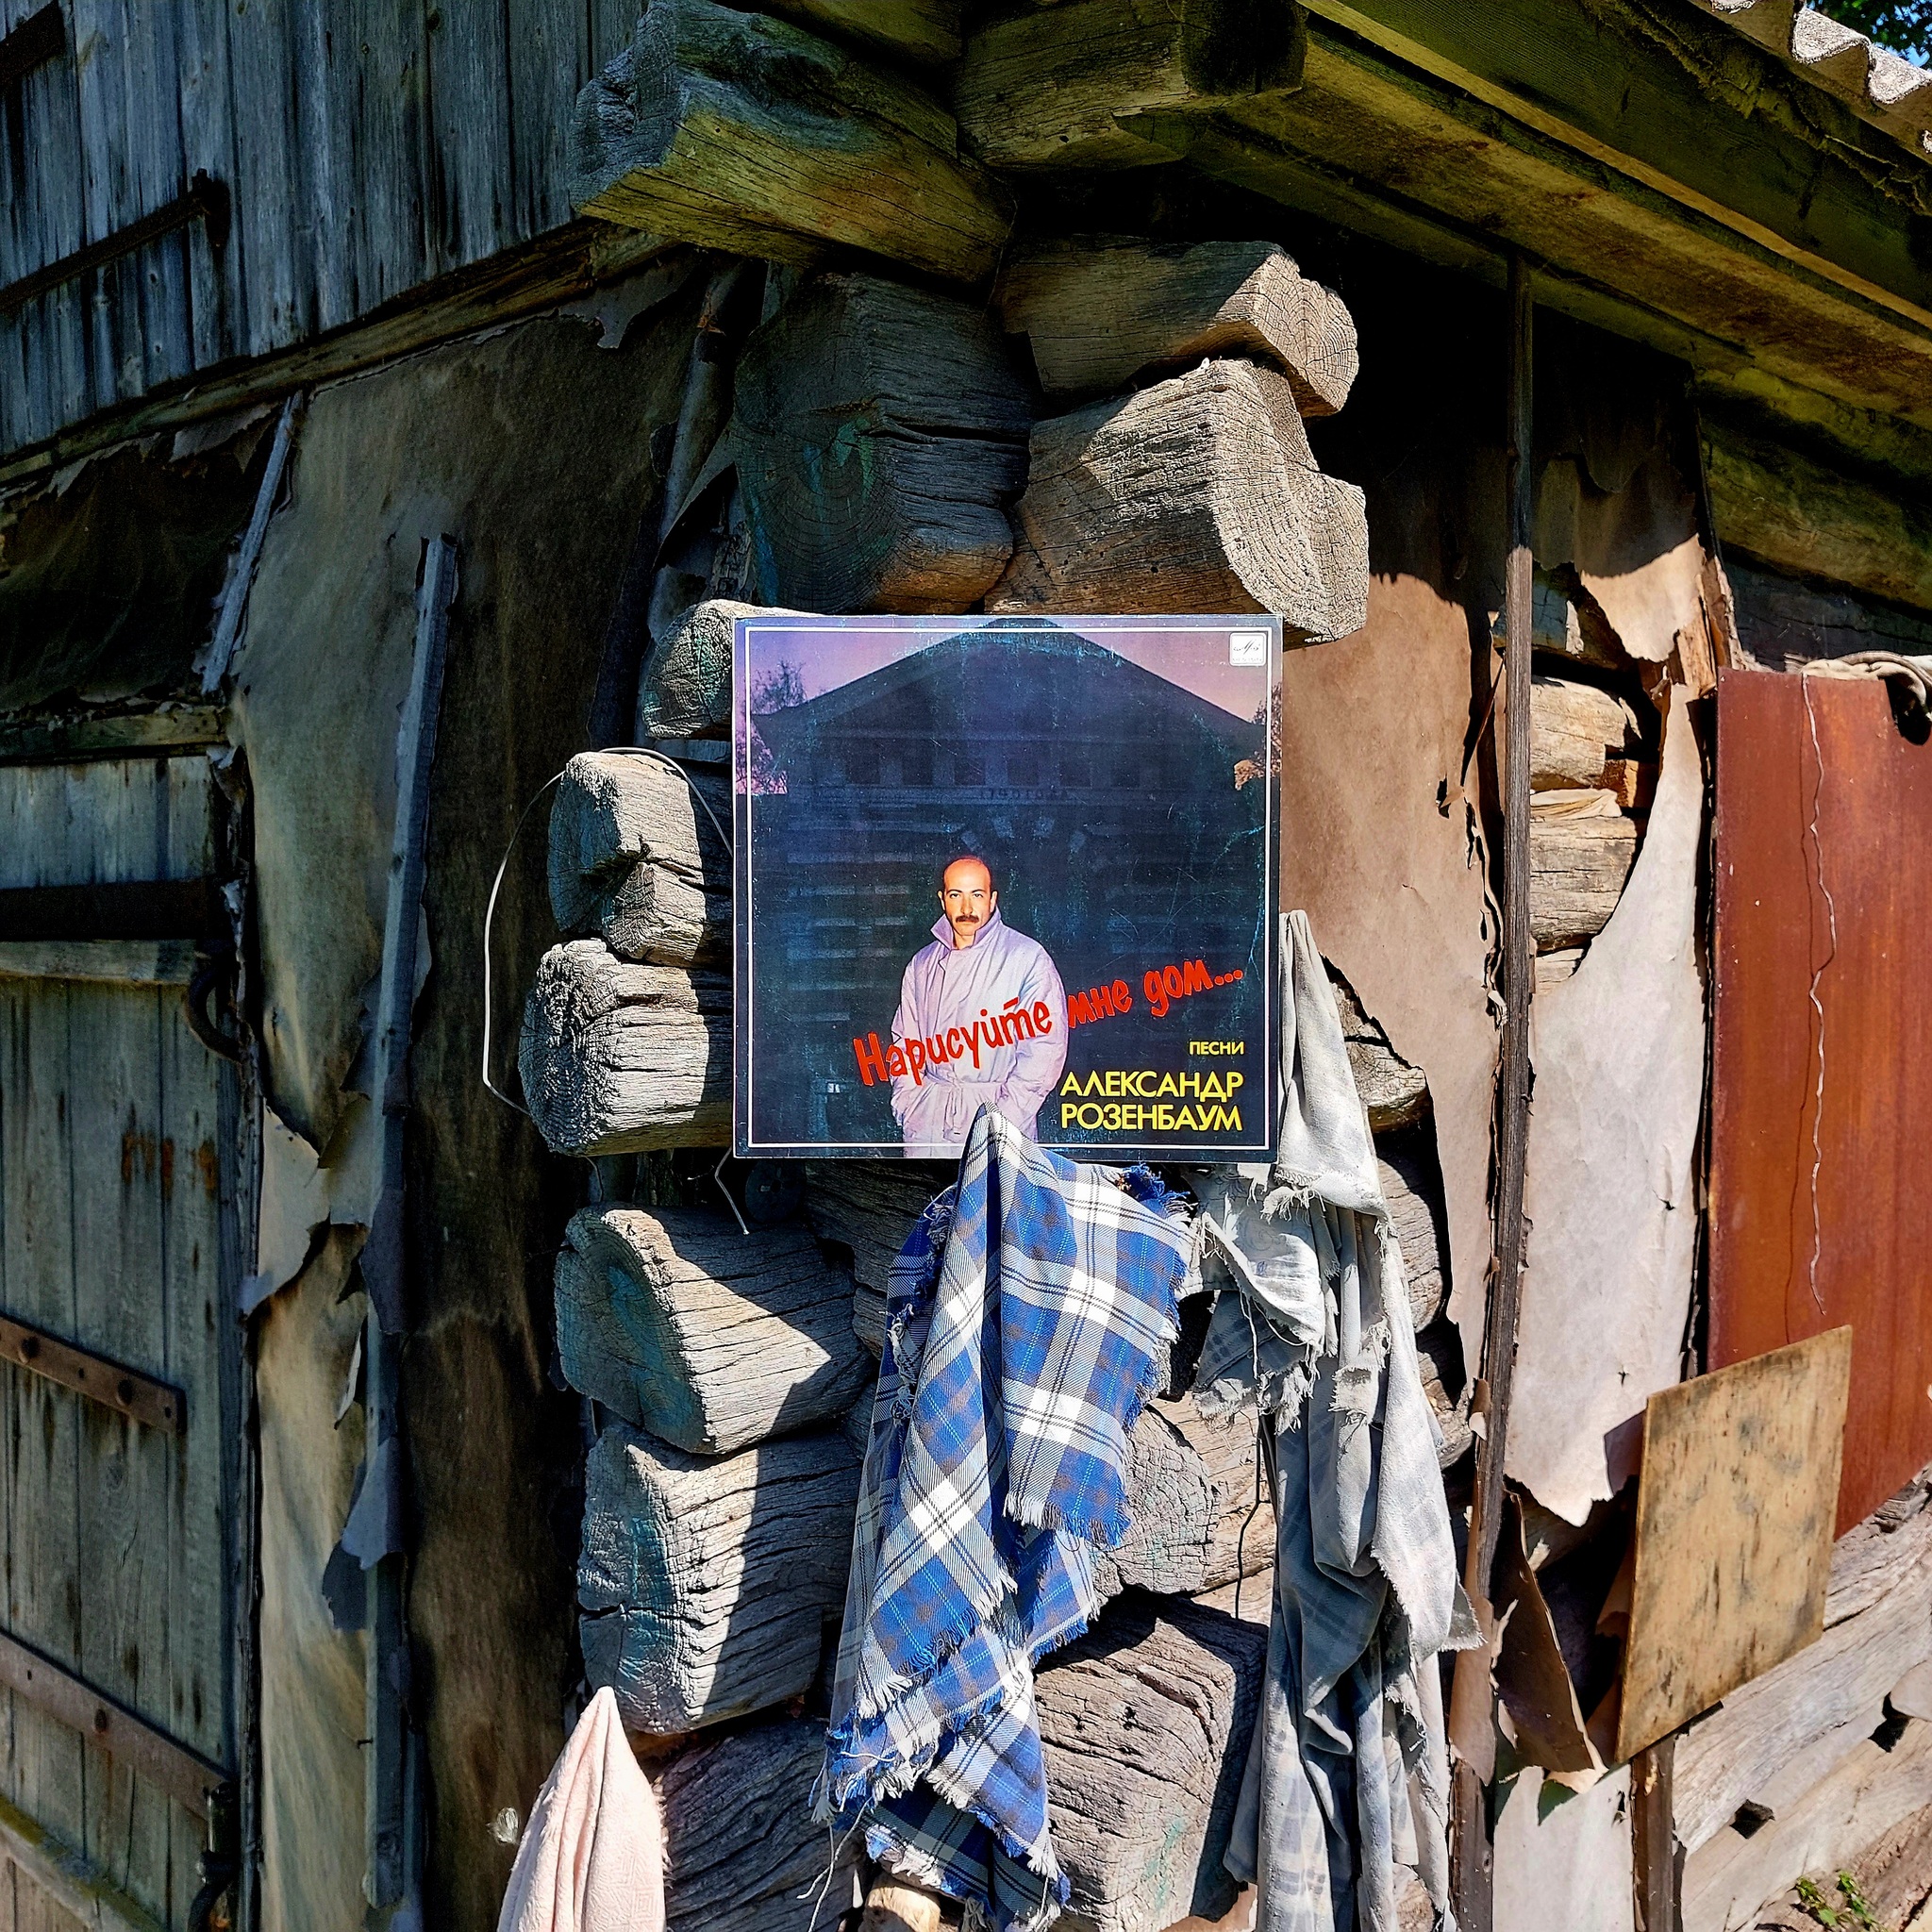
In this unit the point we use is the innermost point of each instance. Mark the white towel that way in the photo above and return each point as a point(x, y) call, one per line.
point(592, 1854)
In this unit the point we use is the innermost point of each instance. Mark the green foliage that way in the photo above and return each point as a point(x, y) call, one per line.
point(1904, 25)
point(1855, 1911)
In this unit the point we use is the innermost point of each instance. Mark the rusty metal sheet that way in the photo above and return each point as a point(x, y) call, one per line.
point(1821, 1106)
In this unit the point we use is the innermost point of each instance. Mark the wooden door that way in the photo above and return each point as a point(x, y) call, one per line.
point(121, 1150)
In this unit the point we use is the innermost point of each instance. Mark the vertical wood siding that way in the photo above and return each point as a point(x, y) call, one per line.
point(367, 146)
point(118, 1230)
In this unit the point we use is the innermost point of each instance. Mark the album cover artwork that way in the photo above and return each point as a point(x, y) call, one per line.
point(1023, 863)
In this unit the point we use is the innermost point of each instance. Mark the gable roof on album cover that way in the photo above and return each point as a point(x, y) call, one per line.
point(1011, 663)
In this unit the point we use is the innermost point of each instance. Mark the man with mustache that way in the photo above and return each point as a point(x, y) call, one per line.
point(985, 1006)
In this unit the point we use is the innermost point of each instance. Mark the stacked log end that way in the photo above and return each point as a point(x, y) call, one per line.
point(710, 1339)
point(735, 130)
point(879, 433)
point(1199, 492)
point(1145, 1724)
point(706, 1582)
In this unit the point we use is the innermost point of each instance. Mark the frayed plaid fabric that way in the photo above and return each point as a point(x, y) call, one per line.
point(1028, 1324)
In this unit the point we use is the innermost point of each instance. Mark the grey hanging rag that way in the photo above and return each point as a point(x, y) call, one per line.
point(1347, 1773)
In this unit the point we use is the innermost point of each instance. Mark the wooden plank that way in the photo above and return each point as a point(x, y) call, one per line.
point(1381, 146)
point(172, 727)
point(150, 110)
point(132, 822)
point(670, 140)
point(123, 909)
point(122, 962)
point(42, 1582)
point(1735, 1874)
point(468, 191)
point(84, 1710)
point(1644, 109)
point(924, 33)
point(1733, 1535)
point(124, 1174)
point(108, 1384)
point(37, 37)
point(549, 61)
point(215, 298)
point(201, 1262)
point(270, 248)
point(556, 268)
point(61, 1878)
point(1774, 1738)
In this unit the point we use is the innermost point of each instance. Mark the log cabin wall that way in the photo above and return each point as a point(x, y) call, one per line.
point(1696, 379)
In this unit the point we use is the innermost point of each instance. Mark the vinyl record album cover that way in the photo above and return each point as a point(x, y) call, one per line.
point(1018, 862)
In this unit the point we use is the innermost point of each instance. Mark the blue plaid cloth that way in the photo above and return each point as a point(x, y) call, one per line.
point(1027, 1324)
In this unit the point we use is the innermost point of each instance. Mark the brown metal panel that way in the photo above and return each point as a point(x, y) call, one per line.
point(1822, 1053)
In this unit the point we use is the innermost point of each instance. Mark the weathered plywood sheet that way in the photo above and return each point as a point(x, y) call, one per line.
point(1619, 1054)
point(1733, 1536)
point(1381, 848)
point(1822, 1114)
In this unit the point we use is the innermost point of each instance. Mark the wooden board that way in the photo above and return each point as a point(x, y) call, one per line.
point(1733, 1536)
point(1821, 1115)
point(118, 1236)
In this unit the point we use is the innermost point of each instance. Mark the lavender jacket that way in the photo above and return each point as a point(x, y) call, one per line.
point(985, 1026)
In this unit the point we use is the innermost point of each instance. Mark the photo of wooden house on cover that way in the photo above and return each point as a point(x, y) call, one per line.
point(1006, 861)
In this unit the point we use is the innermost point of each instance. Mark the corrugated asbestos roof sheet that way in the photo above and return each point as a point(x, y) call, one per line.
point(1881, 87)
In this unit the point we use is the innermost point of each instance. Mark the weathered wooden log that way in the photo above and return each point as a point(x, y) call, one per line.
point(685, 691)
point(1575, 731)
point(1394, 1092)
point(1099, 311)
point(1145, 1723)
point(740, 1846)
point(621, 1058)
point(636, 857)
point(1439, 1358)
point(1412, 1187)
point(1191, 1494)
point(704, 1582)
point(1875, 1787)
point(679, 1323)
point(879, 433)
point(894, 1907)
point(748, 133)
point(1058, 87)
point(868, 1206)
point(1577, 871)
point(924, 33)
point(1199, 493)
point(1774, 1738)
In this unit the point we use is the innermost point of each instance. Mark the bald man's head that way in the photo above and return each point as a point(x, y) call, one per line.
point(967, 898)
